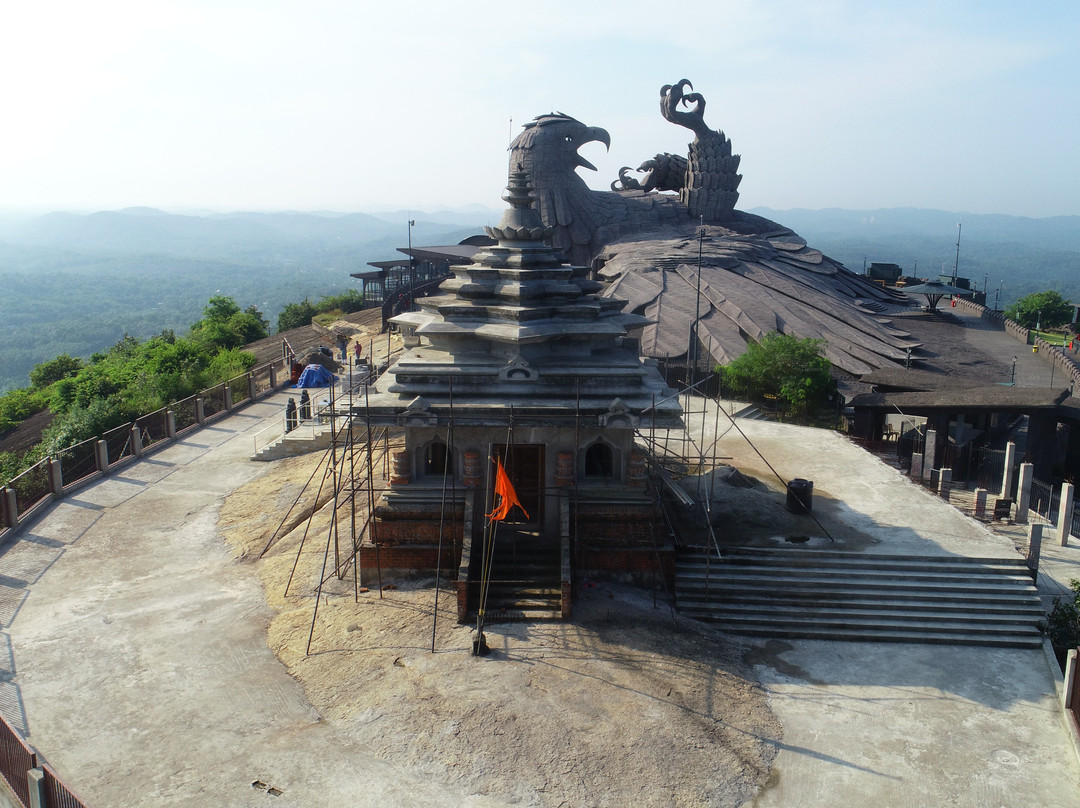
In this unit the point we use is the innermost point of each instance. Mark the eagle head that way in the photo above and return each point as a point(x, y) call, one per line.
point(548, 147)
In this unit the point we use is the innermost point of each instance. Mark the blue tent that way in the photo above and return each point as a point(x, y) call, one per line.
point(315, 376)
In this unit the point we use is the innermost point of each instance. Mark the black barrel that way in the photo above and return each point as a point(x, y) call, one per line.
point(800, 496)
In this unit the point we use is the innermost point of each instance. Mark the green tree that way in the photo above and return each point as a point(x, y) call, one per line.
point(348, 301)
point(225, 326)
point(18, 405)
point(295, 315)
point(1046, 309)
point(789, 368)
point(54, 370)
point(11, 465)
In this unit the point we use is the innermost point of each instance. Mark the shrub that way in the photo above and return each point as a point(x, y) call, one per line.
point(789, 368)
point(1063, 622)
point(54, 370)
point(1045, 309)
point(295, 315)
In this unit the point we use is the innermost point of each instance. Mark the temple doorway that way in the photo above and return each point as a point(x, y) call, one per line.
point(524, 464)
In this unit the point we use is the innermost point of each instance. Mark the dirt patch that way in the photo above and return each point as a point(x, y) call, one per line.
point(621, 706)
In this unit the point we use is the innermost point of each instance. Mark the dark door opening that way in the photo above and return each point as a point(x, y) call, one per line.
point(524, 464)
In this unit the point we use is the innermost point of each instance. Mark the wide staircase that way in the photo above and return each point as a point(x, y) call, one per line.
point(526, 580)
point(826, 595)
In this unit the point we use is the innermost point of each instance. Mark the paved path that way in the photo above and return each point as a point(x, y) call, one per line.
point(140, 666)
point(141, 671)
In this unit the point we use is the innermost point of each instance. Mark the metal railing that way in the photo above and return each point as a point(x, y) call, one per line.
point(185, 413)
point(31, 487)
point(19, 762)
point(82, 461)
point(1044, 500)
point(16, 759)
point(153, 427)
point(119, 443)
point(78, 462)
point(58, 795)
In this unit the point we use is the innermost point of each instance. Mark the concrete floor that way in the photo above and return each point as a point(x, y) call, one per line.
point(901, 724)
point(138, 661)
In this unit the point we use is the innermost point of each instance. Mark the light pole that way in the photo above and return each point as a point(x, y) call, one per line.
point(412, 280)
point(956, 266)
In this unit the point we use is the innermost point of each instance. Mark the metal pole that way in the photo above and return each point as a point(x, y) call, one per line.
point(956, 266)
point(371, 492)
point(412, 277)
point(447, 460)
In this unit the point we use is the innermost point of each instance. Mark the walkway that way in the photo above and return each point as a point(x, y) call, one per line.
point(141, 670)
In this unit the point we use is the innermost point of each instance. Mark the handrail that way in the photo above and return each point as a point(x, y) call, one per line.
point(25, 493)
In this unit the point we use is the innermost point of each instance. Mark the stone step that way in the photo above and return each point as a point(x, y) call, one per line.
point(788, 558)
point(945, 605)
point(862, 596)
point(292, 444)
point(907, 614)
point(933, 632)
point(531, 614)
point(864, 580)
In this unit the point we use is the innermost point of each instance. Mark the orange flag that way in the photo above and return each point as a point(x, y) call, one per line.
point(507, 495)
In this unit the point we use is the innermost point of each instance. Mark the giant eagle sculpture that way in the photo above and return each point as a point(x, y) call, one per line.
point(756, 276)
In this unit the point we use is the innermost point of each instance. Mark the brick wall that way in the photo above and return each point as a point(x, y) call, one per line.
point(404, 559)
point(620, 525)
point(637, 565)
point(417, 528)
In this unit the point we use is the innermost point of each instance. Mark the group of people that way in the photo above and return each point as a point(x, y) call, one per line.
point(293, 414)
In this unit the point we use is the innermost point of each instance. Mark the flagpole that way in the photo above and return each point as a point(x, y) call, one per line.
point(479, 644)
point(447, 457)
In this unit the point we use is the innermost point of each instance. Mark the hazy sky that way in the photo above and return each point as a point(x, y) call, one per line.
point(320, 105)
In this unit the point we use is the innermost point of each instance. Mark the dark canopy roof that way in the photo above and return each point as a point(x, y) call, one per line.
point(998, 398)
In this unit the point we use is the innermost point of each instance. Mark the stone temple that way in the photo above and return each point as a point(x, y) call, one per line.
point(520, 358)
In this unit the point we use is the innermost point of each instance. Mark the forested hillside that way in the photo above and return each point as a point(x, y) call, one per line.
point(76, 283)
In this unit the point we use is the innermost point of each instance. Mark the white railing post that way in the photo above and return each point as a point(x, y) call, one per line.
point(101, 456)
point(1023, 493)
point(56, 477)
point(1065, 513)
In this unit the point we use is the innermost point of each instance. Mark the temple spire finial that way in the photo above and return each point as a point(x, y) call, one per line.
point(521, 222)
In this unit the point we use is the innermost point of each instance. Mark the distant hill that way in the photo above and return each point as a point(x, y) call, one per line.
point(76, 283)
point(1021, 255)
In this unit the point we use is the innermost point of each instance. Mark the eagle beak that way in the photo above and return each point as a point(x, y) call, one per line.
point(594, 133)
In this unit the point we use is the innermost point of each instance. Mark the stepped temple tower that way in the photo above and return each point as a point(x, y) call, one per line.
point(520, 358)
